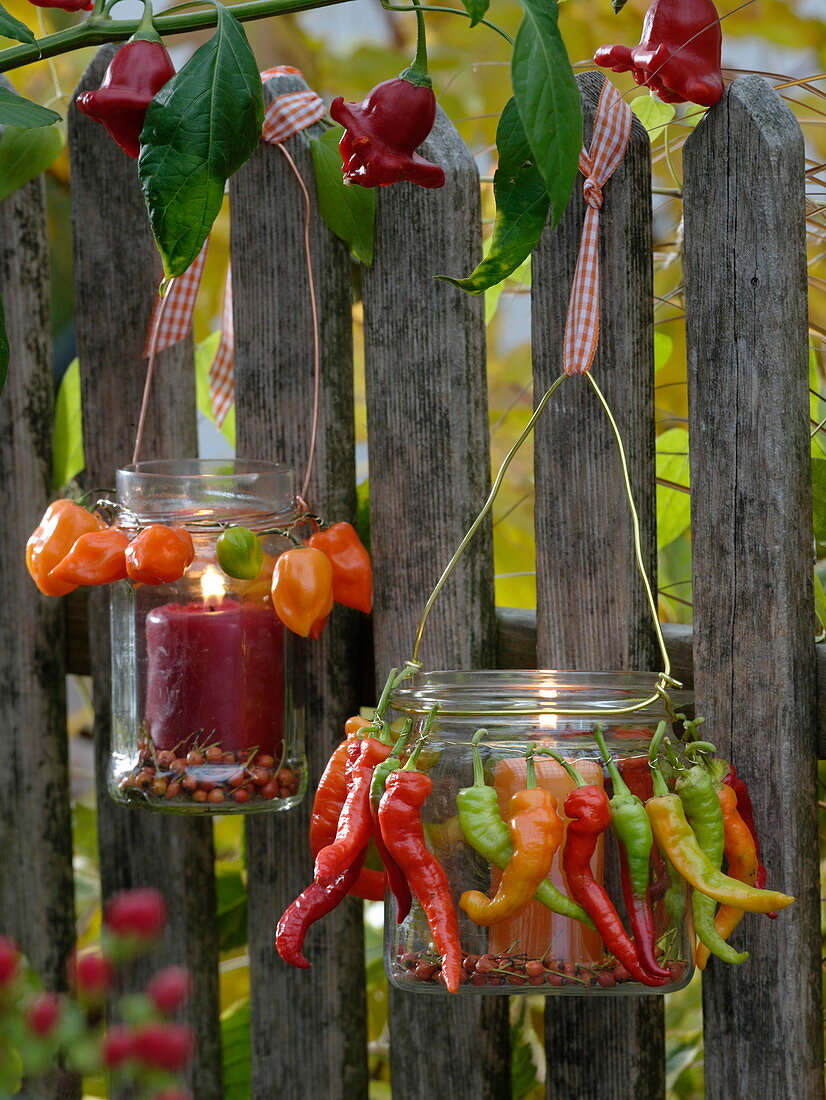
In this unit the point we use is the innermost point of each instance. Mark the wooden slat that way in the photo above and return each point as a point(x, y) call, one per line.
point(752, 541)
point(325, 1007)
point(427, 416)
point(35, 825)
point(591, 609)
point(117, 272)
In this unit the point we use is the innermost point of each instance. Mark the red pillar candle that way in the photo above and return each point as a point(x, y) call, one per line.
point(215, 674)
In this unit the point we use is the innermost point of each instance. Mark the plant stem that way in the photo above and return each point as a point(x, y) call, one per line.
point(95, 31)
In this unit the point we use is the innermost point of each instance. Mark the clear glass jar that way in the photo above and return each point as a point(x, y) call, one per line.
point(536, 951)
point(207, 708)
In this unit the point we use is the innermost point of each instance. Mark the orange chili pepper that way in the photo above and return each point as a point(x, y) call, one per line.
point(98, 557)
point(741, 854)
point(352, 569)
point(159, 554)
point(302, 588)
point(62, 525)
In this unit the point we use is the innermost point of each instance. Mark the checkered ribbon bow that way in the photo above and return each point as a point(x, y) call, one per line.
point(285, 116)
point(612, 131)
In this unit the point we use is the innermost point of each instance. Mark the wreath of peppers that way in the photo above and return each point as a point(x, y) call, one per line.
point(673, 831)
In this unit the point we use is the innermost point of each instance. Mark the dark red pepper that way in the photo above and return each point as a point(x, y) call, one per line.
point(311, 905)
point(678, 56)
point(65, 5)
point(382, 133)
point(135, 75)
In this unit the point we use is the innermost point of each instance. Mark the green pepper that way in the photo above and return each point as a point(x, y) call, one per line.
point(705, 816)
point(488, 834)
point(239, 553)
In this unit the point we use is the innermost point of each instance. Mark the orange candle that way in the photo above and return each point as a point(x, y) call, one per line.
point(536, 928)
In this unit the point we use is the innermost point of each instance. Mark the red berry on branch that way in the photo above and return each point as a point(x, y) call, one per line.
point(9, 961)
point(170, 988)
point(164, 1046)
point(137, 913)
point(90, 974)
point(173, 1094)
point(117, 1046)
point(43, 1014)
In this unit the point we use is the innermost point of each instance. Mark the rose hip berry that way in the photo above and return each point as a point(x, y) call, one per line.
point(91, 974)
point(137, 913)
point(117, 1046)
point(43, 1014)
point(170, 988)
point(9, 961)
point(163, 1046)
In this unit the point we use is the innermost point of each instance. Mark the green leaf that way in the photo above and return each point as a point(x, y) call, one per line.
point(653, 114)
point(232, 910)
point(17, 111)
point(67, 430)
point(820, 601)
point(13, 28)
point(476, 9)
point(521, 206)
point(663, 347)
point(350, 212)
point(819, 498)
point(200, 128)
point(673, 505)
point(4, 348)
point(235, 1043)
point(24, 154)
point(527, 1053)
point(548, 99)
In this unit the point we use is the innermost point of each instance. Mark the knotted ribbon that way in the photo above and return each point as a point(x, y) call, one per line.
point(612, 132)
point(286, 115)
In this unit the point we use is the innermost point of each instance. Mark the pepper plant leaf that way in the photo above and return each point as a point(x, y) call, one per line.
point(4, 349)
point(476, 9)
point(200, 128)
point(14, 29)
point(24, 154)
point(521, 206)
point(819, 499)
point(548, 99)
point(17, 111)
point(350, 212)
point(653, 114)
point(67, 429)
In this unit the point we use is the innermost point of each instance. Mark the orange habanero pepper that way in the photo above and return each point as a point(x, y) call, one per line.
point(98, 557)
point(62, 525)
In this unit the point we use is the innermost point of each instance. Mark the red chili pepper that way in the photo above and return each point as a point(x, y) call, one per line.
point(352, 570)
point(402, 832)
point(98, 557)
point(327, 806)
point(589, 810)
point(746, 810)
point(383, 132)
point(678, 57)
point(311, 905)
point(355, 824)
point(135, 75)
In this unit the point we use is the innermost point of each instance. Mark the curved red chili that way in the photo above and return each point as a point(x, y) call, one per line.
point(311, 905)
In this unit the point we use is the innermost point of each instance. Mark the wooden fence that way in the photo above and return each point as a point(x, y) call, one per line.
point(754, 657)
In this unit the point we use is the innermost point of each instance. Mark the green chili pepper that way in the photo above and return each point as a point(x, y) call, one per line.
point(239, 553)
point(488, 834)
point(705, 816)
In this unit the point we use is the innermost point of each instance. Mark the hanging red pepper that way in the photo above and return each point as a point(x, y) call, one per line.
point(98, 557)
point(352, 570)
point(401, 829)
point(135, 75)
point(327, 805)
point(383, 132)
point(678, 57)
point(311, 905)
point(589, 810)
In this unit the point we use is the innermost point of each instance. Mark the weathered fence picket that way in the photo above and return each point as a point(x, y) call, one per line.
point(584, 543)
point(424, 347)
point(752, 542)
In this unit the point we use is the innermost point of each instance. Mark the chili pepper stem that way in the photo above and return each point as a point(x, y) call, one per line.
point(530, 770)
point(416, 73)
point(478, 767)
point(620, 786)
point(569, 768)
point(413, 759)
point(660, 786)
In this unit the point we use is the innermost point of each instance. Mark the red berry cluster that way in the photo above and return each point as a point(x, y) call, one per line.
point(510, 969)
point(208, 777)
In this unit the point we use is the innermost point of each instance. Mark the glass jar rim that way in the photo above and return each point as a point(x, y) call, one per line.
point(507, 692)
point(249, 491)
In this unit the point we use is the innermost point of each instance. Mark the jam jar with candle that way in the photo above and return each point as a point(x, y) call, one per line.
point(504, 846)
point(206, 682)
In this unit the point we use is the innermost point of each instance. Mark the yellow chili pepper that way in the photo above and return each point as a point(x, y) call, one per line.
point(535, 829)
point(675, 836)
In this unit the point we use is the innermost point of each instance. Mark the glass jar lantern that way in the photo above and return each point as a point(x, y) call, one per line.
point(538, 950)
point(206, 687)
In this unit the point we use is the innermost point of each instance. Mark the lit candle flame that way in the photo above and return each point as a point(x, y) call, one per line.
point(213, 588)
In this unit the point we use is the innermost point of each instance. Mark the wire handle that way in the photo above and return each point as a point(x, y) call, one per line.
point(665, 679)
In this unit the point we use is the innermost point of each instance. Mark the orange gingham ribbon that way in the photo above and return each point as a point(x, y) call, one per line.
point(285, 116)
point(612, 131)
